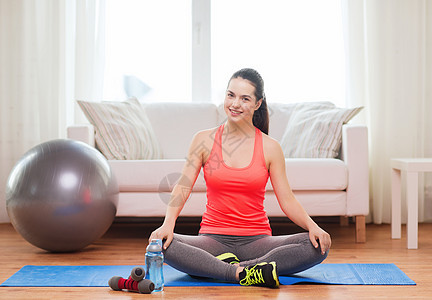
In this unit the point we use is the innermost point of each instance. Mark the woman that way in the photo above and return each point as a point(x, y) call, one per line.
point(235, 242)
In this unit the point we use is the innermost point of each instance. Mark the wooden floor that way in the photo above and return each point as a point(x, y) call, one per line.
point(125, 244)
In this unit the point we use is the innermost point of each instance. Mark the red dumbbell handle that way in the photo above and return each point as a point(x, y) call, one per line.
point(128, 284)
point(144, 286)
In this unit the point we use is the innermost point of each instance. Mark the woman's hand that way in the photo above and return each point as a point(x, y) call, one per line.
point(164, 233)
point(316, 233)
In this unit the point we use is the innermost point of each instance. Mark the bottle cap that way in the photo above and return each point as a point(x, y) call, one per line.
point(154, 246)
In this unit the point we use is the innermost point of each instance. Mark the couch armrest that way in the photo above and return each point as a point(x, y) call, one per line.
point(83, 133)
point(355, 153)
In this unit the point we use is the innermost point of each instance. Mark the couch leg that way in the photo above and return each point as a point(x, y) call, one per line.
point(360, 229)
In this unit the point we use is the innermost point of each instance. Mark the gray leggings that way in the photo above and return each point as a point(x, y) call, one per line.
point(196, 255)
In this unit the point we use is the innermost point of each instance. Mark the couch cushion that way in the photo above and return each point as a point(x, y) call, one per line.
point(161, 175)
point(150, 175)
point(175, 124)
point(306, 174)
point(122, 129)
point(314, 130)
point(279, 115)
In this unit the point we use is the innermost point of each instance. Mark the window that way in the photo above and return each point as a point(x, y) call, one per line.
point(297, 46)
point(147, 50)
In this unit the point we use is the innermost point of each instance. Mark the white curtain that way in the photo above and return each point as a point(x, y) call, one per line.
point(389, 71)
point(89, 53)
point(48, 50)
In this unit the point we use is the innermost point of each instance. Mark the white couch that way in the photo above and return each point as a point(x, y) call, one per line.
point(324, 186)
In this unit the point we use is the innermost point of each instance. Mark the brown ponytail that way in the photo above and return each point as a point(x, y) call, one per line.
point(261, 117)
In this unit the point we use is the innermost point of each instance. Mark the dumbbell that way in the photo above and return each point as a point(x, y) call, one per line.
point(137, 274)
point(144, 286)
point(135, 282)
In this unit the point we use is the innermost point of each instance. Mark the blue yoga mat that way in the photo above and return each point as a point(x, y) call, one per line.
point(98, 276)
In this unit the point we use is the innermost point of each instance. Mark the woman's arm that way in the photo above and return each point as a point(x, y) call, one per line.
point(182, 189)
point(287, 201)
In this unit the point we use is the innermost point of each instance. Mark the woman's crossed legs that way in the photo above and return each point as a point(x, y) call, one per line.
point(196, 255)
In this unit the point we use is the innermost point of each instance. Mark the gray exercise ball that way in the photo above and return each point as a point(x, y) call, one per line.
point(62, 195)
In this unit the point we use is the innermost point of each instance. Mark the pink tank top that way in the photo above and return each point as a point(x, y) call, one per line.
point(235, 196)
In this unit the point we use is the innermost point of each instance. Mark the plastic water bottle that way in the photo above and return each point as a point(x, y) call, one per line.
point(154, 259)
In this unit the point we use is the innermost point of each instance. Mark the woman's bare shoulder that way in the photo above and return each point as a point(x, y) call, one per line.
point(272, 148)
point(205, 135)
point(202, 143)
point(270, 143)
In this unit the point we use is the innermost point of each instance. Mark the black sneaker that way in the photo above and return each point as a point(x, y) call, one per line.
point(262, 274)
point(228, 258)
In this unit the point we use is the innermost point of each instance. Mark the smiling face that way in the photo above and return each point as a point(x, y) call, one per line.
point(240, 100)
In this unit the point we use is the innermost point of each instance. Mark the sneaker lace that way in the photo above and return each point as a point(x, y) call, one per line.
point(253, 276)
